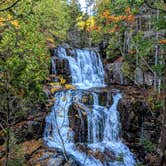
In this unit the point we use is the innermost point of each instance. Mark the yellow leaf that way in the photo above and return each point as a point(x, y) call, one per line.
point(2, 21)
point(84, 99)
point(54, 84)
point(55, 89)
point(9, 17)
point(84, 113)
point(38, 165)
point(50, 40)
point(81, 24)
point(62, 81)
point(69, 86)
point(15, 23)
point(48, 79)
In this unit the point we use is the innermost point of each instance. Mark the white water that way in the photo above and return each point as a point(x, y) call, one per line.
point(103, 123)
point(86, 68)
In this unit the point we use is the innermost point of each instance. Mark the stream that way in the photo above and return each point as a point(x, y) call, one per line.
point(93, 136)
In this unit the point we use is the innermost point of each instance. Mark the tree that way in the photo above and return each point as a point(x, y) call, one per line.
point(25, 28)
point(145, 45)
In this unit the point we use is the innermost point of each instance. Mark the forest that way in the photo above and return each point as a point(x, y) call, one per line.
point(82, 82)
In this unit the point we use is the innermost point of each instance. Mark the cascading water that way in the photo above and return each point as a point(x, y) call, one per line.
point(86, 67)
point(102, 122)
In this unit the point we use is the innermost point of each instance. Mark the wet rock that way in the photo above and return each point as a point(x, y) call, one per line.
point(105, 98)
point(78, 122)
point(104, 95)
point(72, 162)
point(62, 68)
point(109, 156)
point(46, 156)
point(57, 161)
point(82, 147)
point(2, 140)
point(106, 156)
point(87, 98)
point(71, 52)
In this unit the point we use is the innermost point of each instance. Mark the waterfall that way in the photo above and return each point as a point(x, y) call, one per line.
point(103, 125)
point(86, 67)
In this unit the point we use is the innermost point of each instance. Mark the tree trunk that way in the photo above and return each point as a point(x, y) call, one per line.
point(163, 128)
point(7, 120)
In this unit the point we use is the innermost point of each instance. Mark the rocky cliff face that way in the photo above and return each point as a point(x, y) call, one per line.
point(140, 125)
point(115, 74)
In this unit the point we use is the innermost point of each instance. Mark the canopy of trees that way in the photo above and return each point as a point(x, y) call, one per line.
point(133, 30)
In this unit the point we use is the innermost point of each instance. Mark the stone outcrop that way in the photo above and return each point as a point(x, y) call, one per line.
point(62, 67)
point(105, 156)
point(78, 122)
point(46, 156)
point(105, 95)
point(140, 125)
point(31, 128)
point(114, 75)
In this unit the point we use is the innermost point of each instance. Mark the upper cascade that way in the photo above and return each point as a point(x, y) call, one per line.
point(85, 66)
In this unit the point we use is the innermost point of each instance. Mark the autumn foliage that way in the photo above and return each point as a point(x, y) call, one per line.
point(128, 17)
point(92, 23)
point(9, 20)
point(163, 41)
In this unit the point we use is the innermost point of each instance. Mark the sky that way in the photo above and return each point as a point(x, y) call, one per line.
point(83, 4)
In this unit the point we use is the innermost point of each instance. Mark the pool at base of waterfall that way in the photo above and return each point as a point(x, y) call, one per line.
point(87, 131)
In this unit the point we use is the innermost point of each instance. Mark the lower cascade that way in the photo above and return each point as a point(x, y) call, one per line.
point(79, 125)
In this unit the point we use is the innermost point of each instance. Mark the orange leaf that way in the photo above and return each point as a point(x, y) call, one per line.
point(163, 41)
point(128, 10)
point(131, 18)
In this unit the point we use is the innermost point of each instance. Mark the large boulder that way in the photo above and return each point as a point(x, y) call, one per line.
point(114, 74)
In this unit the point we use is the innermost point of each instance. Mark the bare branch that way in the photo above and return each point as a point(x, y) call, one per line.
point(9, 7)
point(152, 7)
